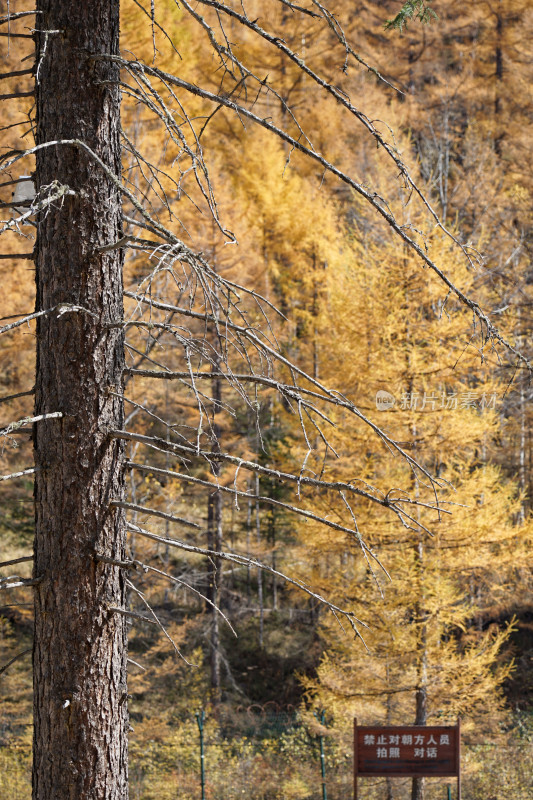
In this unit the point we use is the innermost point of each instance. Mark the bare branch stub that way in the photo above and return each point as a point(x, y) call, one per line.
point(15, 561)
point(12, 660)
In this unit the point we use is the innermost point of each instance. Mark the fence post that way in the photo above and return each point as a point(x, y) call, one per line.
point(322, 720)
point(200, 717)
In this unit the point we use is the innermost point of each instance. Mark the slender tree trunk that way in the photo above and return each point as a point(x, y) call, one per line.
point(214, 507)
point(421, 693)
point(248, 542)
point(523, 430)
point(260, 598)
point(498, 58)
point(389, 781)
point(273, 544)
point(80, 695)
point(417, 791)
point(214, 542)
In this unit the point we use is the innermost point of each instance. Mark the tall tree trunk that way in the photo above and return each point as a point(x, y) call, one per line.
point(80, 708)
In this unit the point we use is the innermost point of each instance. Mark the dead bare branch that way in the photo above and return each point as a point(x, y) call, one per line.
point(15, 561)
point(20, 474)
point(247, 561)
point(153, 513)
point(15, 658)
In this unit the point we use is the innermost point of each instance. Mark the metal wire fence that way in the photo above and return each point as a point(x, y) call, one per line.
point(270, 753)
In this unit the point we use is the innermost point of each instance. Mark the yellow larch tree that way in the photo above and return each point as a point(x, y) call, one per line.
point(407, 353)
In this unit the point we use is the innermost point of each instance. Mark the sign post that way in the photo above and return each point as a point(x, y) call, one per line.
point(407, 750)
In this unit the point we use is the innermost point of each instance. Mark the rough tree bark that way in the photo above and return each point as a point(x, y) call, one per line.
point(80, 727)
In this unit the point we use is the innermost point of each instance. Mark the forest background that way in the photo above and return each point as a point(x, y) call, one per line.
point(451, 634)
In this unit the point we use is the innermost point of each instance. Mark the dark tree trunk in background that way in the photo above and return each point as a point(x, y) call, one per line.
point(215, 539)
point(421, 695)
point(80, 727)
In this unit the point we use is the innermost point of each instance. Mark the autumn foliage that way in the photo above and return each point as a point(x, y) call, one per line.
point(444, 603)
